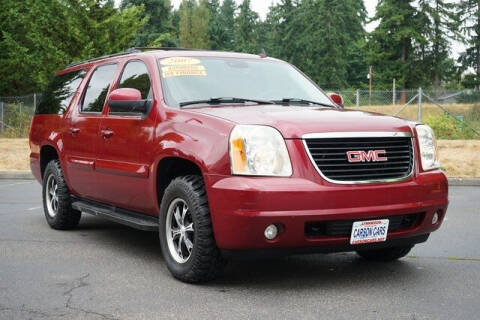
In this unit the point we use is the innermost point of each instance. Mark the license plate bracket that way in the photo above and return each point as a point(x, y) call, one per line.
point(369, 231)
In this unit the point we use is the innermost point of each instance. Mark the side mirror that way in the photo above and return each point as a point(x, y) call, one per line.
point(336, 97)
point(128, 100)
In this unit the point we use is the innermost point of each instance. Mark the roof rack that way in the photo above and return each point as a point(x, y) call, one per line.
point(141, 49)
point(128, 51)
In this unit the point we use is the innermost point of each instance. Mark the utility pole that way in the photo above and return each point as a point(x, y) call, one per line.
point(394, 94)
point(3, 119)
point(420, 94)
point(370, 85)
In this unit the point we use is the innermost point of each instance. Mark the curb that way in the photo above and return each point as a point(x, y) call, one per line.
point(16, 175)
point(27, 175)
point(470, 182)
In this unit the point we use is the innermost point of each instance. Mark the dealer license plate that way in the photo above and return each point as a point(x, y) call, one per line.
point(369, 231)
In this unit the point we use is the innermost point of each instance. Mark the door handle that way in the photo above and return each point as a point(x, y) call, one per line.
point(106, 133)
point(74, 131)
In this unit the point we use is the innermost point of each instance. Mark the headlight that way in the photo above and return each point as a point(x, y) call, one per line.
point(428, 147)
point(259, 150)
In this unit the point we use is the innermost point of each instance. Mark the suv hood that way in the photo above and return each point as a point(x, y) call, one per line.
point(295, 121)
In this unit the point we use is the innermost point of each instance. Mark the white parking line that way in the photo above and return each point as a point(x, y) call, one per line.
point(34, 208)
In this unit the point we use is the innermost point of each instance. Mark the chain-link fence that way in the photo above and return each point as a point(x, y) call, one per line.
point(452, 114)
point(16, 113)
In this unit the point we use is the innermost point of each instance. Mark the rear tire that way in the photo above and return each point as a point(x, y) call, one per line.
point(186, 233)
point(57, 202)
point(386, 254)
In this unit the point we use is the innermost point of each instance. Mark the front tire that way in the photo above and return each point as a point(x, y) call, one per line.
point(186, 233)
point(57, 203)
point(386, 254)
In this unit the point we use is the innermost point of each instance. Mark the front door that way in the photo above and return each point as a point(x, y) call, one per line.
point(81, 136)
point(124, 153)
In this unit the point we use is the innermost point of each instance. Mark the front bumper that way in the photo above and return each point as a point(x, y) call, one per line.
point(242, 207)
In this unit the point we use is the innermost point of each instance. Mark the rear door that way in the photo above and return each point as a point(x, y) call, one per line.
point(124, 153)
point(81, 138)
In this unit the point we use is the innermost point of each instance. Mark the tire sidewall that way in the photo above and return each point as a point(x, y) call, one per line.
point(49, 171)
point(66, 217)
point(178, 189)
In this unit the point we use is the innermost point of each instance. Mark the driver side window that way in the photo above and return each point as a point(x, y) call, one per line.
point(135, 75)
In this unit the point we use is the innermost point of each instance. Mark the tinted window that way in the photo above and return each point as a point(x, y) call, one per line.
point(57, 96)
point(97, 89)
point(135, 75)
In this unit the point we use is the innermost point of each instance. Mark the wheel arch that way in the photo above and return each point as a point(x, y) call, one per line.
point(171, 167)
point(47, 154)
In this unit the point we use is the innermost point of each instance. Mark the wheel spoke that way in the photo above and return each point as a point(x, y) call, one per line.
point(178, 218)
point(189, 228)
point(188, 244)
point(176, 233)
point(54, 204)
point(184, 213)
point(179, 248)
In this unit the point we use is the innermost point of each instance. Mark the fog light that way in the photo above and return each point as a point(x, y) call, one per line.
point(271, 232)
point(435, 218)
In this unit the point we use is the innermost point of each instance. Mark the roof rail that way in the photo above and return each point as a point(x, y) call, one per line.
point(128, 51)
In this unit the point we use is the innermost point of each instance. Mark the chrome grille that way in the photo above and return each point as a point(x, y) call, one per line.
point(329, 155)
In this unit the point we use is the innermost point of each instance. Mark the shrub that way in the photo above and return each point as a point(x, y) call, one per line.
point(446, 127)
point(474, 113)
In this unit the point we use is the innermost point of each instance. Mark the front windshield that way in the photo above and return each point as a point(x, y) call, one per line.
point(187, 79)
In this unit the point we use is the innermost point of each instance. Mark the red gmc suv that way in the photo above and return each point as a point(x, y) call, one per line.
point(228, 153)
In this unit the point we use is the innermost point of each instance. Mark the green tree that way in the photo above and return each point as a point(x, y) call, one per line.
point(393, 46)
point(281, 31)
point(215, 31)
point(194, 20)
point(159, 27)
point(200, 26)
point(324, 38)
point(319, 26)
point(38, 37)
point(185, 13)
point(440, 16)
point(469, 13)
point(355, 16)
point(226, 21)
point(106, 28)
point(246, 25)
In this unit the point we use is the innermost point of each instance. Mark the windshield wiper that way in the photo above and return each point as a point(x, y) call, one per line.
point(301, 101)
point(225, 100)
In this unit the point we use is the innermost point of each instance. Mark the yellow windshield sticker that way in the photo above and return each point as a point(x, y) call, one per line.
point(183, 70)
point(179, 61)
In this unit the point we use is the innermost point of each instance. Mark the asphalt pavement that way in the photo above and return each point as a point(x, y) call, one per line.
point(107, 271)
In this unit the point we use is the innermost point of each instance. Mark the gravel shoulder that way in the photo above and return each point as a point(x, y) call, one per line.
point(459, 158)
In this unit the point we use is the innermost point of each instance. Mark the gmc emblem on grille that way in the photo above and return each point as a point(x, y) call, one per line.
point(366, 156)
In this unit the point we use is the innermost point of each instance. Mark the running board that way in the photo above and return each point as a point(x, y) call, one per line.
point(128, 218)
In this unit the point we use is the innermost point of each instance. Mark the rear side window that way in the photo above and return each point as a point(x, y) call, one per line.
point(97, 89)
point(135, 75)
point(57, 96)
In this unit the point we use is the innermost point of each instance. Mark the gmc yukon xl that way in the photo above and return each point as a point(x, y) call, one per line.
point(230, 154)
